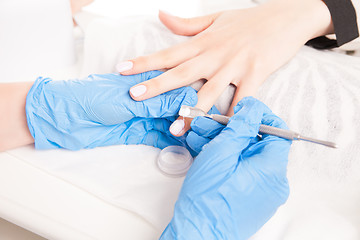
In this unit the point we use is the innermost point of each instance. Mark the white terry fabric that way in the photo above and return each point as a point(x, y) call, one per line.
point(317, 94)
point(125, 176)
point(56, 209)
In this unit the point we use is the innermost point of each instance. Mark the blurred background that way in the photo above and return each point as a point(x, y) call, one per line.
point(184, 8)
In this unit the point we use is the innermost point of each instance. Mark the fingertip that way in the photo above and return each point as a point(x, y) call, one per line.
point(252, 107)
point(160, 140)
point(214, 110)
point(147, 87)
point(196, 142)
point(165, 17)
point(185, 26)
point(124, 67)
point(237, 108)
point(137, 92)
point(244, 101)
point(164, 13)
point(198, 122)
point(180, 126)
point(206, 127)
point(271, 119)
point(136, 66)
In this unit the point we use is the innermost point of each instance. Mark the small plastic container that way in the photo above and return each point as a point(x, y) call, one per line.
point(174, 161)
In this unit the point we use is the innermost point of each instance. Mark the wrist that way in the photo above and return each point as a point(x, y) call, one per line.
point(305, 19)
point(13, 125)
point(319, 19)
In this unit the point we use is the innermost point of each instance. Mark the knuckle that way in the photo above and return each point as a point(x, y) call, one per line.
point(181, 73)
point(141, 61)
point(155, 84)
point(166, 56)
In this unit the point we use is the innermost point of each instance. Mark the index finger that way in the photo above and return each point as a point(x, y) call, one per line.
point(164, 59)
point(207, 96)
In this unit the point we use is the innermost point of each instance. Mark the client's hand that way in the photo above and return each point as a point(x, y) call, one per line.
point(240, 47)
point(98, 111)
point(238, 180)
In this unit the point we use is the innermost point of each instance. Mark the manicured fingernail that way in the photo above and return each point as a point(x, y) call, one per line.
point(177, 126)
point(138, 90)
point(124, 66)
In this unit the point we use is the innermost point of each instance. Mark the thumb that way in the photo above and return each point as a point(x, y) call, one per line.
point(186, 26)
point(240, 130)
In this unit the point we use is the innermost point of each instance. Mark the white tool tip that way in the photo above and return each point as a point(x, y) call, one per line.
point(184, 111)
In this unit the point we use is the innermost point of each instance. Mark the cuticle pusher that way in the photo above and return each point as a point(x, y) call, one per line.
point(192, 112)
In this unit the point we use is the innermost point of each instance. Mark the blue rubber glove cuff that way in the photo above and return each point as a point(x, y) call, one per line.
point(41, 141)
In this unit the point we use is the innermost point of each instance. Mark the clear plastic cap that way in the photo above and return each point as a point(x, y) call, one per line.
point(174, 161)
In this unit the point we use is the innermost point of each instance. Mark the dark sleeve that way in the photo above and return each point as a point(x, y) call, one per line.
point(344, 19)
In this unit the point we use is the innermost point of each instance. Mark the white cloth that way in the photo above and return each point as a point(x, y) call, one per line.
point(126, 176)
point(317, 94)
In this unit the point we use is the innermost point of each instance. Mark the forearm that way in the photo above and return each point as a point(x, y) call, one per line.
point(14, 131)
point(321, 13)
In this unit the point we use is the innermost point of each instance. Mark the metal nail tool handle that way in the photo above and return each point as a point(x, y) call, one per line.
point(291, 135)
point(220, 118)
point(264, 129)
point(279, 132)
point(192, 112)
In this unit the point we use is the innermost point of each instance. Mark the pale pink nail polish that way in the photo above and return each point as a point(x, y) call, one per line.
point(177, 126)
point(124, 66)
point(138, 90)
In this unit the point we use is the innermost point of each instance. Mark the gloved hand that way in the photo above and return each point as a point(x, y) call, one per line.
point(98, 111)
point(238, 180)
point(202, 131)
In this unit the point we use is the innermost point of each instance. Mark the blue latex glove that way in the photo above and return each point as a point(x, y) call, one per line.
point(202, 131)
point(238, 180)
point(98, 111)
